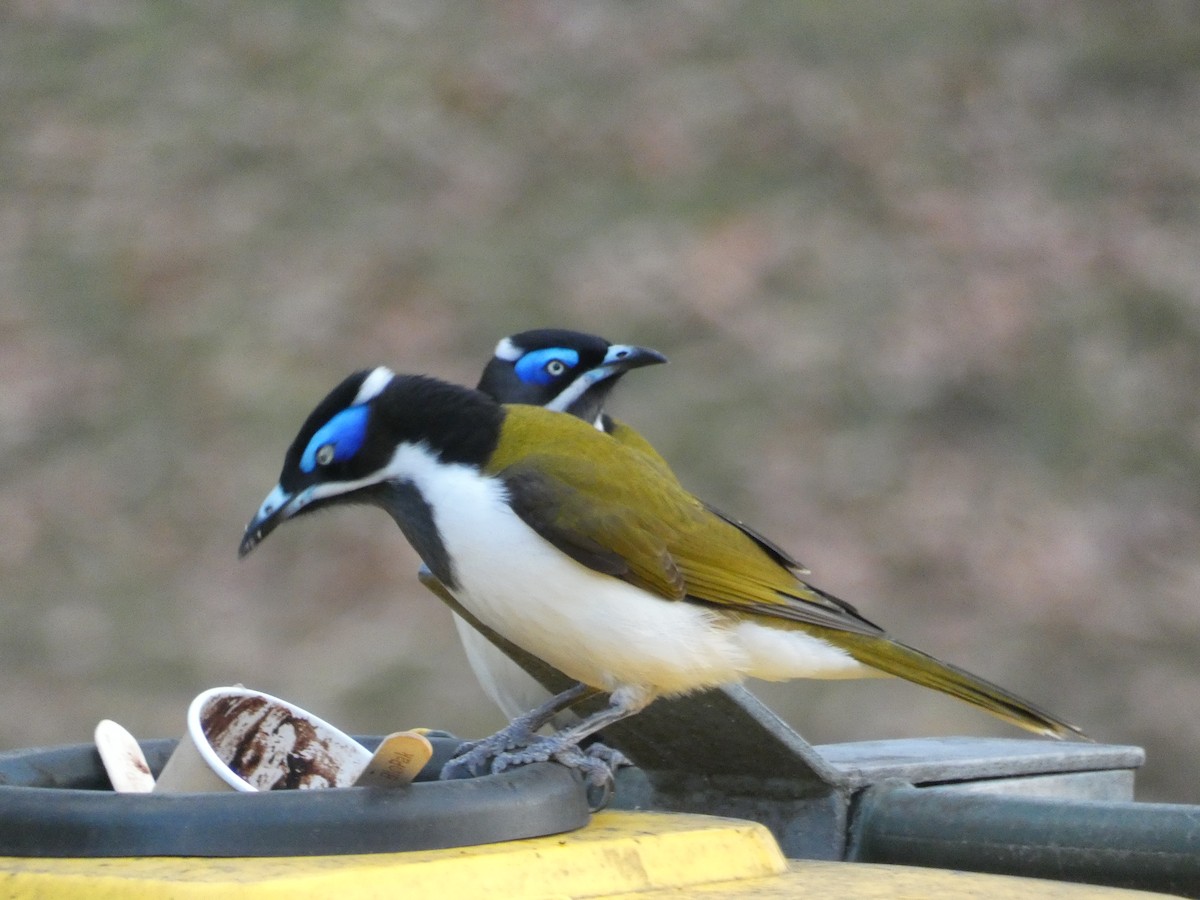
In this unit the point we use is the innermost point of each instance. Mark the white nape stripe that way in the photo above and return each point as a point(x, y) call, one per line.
point(577, 389)
point(373, 385)
point(508, 351)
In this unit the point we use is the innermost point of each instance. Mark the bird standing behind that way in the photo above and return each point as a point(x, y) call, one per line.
point(574, 373)
point(585, 553)
point(569, 372)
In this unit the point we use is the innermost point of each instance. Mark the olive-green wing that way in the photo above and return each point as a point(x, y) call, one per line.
point(611, 509)
point(631, 438)
point(765, 544)
point(550, 495)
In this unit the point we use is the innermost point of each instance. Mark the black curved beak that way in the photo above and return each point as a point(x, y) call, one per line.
point(624, 357)
point(275, 510)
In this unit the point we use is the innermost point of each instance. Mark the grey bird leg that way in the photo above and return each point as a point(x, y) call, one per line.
point(473, 757)
point(563, 747)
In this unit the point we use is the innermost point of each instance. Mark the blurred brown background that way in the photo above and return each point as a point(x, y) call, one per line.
point(928, 274)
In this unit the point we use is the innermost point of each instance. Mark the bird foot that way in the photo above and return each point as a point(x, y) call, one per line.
point(476, 758)
point(611, 756)
point(597, 764)
point(502, 751)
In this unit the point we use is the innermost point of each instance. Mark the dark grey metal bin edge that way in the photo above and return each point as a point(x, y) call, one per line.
point(1146, 846)
point(56, 802)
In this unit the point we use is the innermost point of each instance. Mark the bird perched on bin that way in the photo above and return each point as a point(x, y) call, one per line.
point(588, 554)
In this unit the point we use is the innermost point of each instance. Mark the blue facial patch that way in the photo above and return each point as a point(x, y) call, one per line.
point(532, 367)
point(345, 433)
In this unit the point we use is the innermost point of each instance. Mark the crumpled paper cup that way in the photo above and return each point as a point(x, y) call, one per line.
point(243, 740)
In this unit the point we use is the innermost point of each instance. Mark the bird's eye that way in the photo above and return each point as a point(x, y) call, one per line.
point(337, 440)
point(543, 367)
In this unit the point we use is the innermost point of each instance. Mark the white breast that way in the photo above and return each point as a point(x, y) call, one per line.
point(594, 628)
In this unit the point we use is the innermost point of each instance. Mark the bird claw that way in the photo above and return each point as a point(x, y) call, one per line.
point(500, 752)
point(611, 756)
point(597, 764)
point(476, 758)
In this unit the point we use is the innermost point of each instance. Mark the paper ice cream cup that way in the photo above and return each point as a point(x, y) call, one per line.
point(243, 740)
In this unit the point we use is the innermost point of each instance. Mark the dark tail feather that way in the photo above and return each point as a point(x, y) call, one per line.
point(920, 668)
